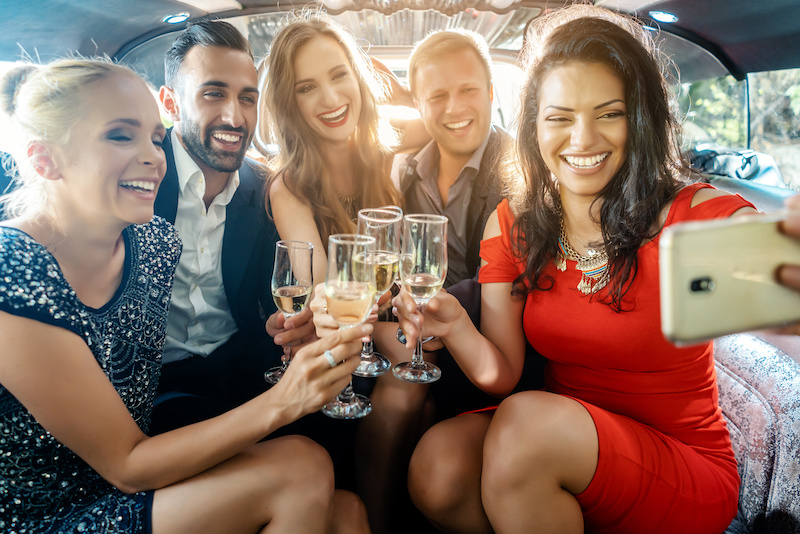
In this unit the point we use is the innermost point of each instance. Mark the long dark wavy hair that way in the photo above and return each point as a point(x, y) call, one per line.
point(648, 179)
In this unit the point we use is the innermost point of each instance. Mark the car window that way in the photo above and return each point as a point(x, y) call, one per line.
point(717, 113)
point(775, 119)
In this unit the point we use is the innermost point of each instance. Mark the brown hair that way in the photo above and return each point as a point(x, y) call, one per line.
point(299, 163)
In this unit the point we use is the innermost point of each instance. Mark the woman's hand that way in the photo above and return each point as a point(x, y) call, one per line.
point(789, 275)
point(324, 323)
point(311, 382)
point(441, 313)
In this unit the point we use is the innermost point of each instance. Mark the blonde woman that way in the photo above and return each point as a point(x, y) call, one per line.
point(85, 281)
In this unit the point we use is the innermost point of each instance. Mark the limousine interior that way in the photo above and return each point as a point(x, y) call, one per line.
point(738, 63)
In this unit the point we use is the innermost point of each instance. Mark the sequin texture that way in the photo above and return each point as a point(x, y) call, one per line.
point(44, 486)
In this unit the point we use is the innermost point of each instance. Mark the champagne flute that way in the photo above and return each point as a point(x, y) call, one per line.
point(385, 226)
point(291, 287)
point(423, 267)
point(349, 293)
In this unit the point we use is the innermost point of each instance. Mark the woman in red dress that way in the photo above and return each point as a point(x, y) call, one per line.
point(627, 435)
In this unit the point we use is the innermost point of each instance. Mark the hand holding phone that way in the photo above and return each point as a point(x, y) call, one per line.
point(719, 277)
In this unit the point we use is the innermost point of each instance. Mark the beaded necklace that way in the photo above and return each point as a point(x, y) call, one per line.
point(593, 267)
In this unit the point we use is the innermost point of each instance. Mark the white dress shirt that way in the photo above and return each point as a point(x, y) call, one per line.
point(199, 318)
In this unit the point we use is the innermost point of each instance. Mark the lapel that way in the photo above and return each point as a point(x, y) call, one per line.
point(484, 185)
point(486, 194)
point(244, 227)
point(166, 204)
point(243, 221)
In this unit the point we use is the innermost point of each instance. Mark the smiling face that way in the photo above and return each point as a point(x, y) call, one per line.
point(454, 100)
point(216, 106)
point(326, 90)
point(113, 163)
point(582, 126)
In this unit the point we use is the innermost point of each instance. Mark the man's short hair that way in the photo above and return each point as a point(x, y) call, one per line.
point(202, 33)
point(444, 42)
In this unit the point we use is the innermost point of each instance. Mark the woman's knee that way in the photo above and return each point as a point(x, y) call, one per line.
point(445, 467)
point(299, 463)
point(535, 435)
point(349, 514)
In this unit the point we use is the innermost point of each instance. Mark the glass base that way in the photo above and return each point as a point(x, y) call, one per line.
point(419, 373)
point(355, 409)
point(274, 375)
point(372, 365)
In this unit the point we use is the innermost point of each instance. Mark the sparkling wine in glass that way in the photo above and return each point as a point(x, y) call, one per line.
point(350, 294)
point(291, 287)
point(385, 225)
point(423, 267)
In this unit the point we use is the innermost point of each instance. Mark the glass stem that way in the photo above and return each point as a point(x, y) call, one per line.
point(367, 348)
point(288, 358)
point(348, 395)
point(417, 359)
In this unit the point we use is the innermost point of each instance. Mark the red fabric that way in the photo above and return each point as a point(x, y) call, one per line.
point(665, 461)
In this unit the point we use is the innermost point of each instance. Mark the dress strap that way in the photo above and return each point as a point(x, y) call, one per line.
point(713, 208)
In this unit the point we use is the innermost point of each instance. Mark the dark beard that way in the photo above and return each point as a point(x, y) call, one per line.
point(201, 149)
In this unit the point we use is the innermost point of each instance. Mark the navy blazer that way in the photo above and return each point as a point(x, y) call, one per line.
point(248, 243)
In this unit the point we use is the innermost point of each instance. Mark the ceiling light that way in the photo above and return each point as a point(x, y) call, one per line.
point(214, 6)
point(501, 4)
point(177, 18)
point(335, 4)
point(663, 16)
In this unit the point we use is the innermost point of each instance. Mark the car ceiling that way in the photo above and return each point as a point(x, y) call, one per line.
point(745, 35)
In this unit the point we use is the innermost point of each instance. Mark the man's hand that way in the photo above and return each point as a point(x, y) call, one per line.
point(291, 333)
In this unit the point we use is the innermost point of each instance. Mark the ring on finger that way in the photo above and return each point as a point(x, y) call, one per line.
point(329, 356)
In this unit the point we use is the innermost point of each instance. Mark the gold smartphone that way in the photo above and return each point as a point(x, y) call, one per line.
point(718, 277)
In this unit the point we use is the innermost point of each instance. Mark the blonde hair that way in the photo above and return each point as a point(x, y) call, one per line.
point(299, 163)
point(444, 42)
point(44, 102)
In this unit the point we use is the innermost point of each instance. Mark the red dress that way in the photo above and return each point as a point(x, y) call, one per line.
point(665, 462)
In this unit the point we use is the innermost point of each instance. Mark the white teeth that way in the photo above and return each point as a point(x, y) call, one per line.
point(139, 184)
point(586, 163)
point(457, 125)
point(226, 137)
point(333, 116)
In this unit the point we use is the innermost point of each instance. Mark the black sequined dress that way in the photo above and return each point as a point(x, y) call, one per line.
point(44, 486)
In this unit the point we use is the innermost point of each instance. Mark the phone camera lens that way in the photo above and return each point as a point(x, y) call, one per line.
point(702, 285)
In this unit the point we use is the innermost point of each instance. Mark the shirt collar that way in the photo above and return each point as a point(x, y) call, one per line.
point(188, 170)
point(475, 161)
point(427, 159)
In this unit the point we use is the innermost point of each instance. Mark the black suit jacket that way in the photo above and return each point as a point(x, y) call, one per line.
point(248, 243)
point(487, 192)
